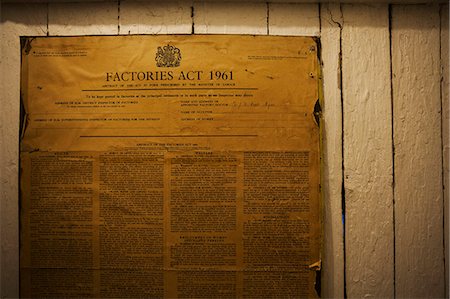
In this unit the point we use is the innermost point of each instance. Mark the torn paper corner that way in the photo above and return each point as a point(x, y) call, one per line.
point(317, 266)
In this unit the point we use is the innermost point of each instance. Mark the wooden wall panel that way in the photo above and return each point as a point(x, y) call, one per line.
point(239, 18)
point(83, 18)
point(294, 19)
point(16, 20)
point(143, 17)
point(367, 152)
point(445, 131)
point(333, 261)
point(419, 260)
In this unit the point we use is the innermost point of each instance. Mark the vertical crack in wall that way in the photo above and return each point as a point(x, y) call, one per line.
point(441, 93)
point(192, 20)
point(319, 5)
point(392, 142)
point(267, 17)
point(48, 12)
point(318, 112)
point(118, 17)
point(342, 149)
point(22, 126)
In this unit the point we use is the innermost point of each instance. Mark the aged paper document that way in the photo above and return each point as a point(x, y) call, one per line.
point(170, 167)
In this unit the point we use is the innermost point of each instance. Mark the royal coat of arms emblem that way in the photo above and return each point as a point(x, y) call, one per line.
point(168, 56)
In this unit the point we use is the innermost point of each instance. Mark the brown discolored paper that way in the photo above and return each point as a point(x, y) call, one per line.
point(170, 166)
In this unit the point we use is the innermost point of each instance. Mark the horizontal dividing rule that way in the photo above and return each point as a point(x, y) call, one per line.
point(175, 88)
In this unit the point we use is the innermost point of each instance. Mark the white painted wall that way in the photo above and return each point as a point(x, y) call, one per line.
point(418, 151)
point(385, 147)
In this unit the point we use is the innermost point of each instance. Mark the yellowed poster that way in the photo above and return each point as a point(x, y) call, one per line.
point(181, 166)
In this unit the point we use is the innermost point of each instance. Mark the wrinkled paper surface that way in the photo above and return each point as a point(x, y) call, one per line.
point(170, 166)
